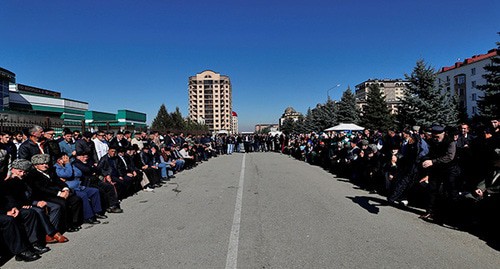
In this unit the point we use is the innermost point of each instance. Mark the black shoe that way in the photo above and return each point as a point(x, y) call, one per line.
point(72, 229)
point(171, 177)
point(27, 256)
point(91, 221)
point(101, 216)
point(114, 209)
point(39, 249)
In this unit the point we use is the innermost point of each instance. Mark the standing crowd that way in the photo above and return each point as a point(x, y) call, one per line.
point(451, 172)
point(52, 186)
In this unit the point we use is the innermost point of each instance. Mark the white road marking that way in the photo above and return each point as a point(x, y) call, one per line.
point(232, 252)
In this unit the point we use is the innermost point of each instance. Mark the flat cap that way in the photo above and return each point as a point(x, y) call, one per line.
point(437, 129)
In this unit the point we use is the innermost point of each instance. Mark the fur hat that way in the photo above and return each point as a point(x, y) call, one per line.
point(21, 164)
point(40, 159)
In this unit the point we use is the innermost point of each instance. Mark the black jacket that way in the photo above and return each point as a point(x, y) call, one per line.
point(44, 187)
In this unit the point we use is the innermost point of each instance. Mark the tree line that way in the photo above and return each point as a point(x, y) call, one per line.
point(174, 121)
point(423, 104)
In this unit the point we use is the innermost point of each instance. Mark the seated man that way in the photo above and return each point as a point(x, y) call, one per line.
point(19, 194)
point(47, 186)
point(190, 160)
point(90, 196)
point(19, 231)
point(144, 161)
point(90, 178)
point(108, 169)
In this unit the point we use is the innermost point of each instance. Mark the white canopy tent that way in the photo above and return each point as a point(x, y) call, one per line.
point(345, 127)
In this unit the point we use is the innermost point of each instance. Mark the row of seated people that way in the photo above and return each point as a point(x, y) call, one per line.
point(51, 194)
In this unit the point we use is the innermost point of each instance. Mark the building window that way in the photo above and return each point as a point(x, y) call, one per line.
point(199, 86)
point(474, 96)
point(460, 79)
point(473, 83)
point(474, 110)
point(447, 78)
point(473, 71)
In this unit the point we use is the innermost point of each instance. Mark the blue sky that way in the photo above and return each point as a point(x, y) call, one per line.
point(139, 54)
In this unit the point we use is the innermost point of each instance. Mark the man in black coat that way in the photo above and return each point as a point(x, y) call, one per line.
point(33, 145)
point(90, 177)
point(19, 230)
point(442, 169)
point(20, 195)
point(48, 187)
point(87, 146)
point(108, 167)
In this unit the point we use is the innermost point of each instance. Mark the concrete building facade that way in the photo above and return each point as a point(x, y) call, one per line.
point(29, 99)
point(392, 90)
point(289, 113)
point(6, 79)
point(234, 122)
point(272, 127)
point(210, 100)
point(462, 80)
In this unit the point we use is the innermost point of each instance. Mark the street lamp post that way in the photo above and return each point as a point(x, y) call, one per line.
point(328, 91)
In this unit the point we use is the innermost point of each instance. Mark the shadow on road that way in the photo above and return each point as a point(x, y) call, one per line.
point(364, 202)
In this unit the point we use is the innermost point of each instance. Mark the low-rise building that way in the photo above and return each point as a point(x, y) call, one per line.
point(289, 113)
point(272, 127)
point(462, 80)
point(121, 121)
point(392, 90)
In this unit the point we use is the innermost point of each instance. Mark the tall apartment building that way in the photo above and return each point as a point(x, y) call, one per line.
point(234, 123)
point(392, 89)
point(210, 100)
point(462, 79)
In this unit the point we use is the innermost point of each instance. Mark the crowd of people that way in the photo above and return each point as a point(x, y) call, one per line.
point(450, 171)
point(52, 186)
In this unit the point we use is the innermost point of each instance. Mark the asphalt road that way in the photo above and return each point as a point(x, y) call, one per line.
point(288, 215)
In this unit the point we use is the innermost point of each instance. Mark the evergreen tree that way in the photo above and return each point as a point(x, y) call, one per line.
point(376, 114)
point(318, 118)
point(347, 112)
point(308, 122)
point(331, 113)
point(288, 126)
point(489, 103)
point(195, 126)
point(162, 121)
point(424, 104)
point(177, 119)
point(300, 125)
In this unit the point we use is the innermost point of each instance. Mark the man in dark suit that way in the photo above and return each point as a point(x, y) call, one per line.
point(33, 145)
point(108, 169)
point(20, 230)
point(20, 195)
point(48, 187)
point(87, 146)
